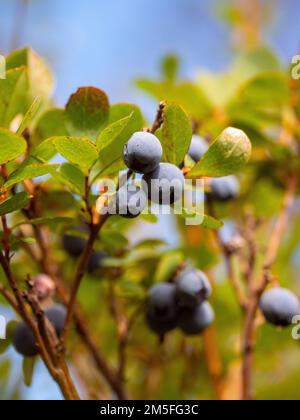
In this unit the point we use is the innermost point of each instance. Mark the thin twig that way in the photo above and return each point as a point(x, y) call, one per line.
point(214, 361)
point(60, 376)
point(228, 255)
point(81, 268)
point(159, 118)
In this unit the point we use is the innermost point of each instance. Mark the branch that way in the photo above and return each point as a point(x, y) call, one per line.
point(9, 298)
point(49, 266)
point(159, 118)
point(228, 254)
point(81, 268)
point(18, 302)
point(214, 362)
point(83, 262)
point(257, 291)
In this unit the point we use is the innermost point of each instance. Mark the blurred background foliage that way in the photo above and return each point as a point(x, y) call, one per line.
point(222, 73)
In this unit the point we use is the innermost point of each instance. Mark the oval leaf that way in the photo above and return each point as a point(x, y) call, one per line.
point(87, 112)
point(5, 343)
point(175, 134)
point(11, 146)
point(50, 124)
point(226, 156)
point(77, 150)
point(40, 78)
point(14, 203)
point(112, 148)
point(73, 177)
point(112, 133)
point(13, 91)
point(206, 221)
point(30, 172)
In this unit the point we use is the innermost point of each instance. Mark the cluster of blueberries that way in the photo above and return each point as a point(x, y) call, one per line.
point(181, 304)
point(143, 155)
point(162, 183)
point(23, 339)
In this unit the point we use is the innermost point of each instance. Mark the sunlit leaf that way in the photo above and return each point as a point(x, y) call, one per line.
point(226, 156)
point(11, 146)
point(87, 112)
point(14, 203)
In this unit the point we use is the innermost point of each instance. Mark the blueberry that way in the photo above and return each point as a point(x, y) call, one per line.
point(192, 288)
point(24, 341)
point(193, 321)
point(129, 202)
point(224, 189)
point(57, 316)
point(158, 326)
point(44, 286)
point(161, 303)
point(96, 261)
point(74, 245)
point(279, 306)
point(198, 148)
point(161, 309)
point(143, 152)
point(165, 185)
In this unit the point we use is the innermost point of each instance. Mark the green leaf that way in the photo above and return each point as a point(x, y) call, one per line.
point(40, 78)
point(169, 67)
point(226, 156)
point(223, 88)
point(4, 345)
point(100, 170)
point(28, 370)
point(191, 97)
point(110, 159)
point(168, 266)
point(87, 112)
point(73, 177)
point(175, 134)
point(50, 124)
point(211, 223)
point(207, 221)
point(14, 203)
point(44, 151)
point(30, 172)
point(10, 328)
point(30, 114)
point(123, 110)
point(77, 150)
point(149, 218)
point(112, 133)
point(48, 221)
point(13, 92)
point(113, 240)
point(11, 146)
point(260, 99)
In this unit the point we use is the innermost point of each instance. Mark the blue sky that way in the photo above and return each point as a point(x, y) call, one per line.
point(108, 43)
